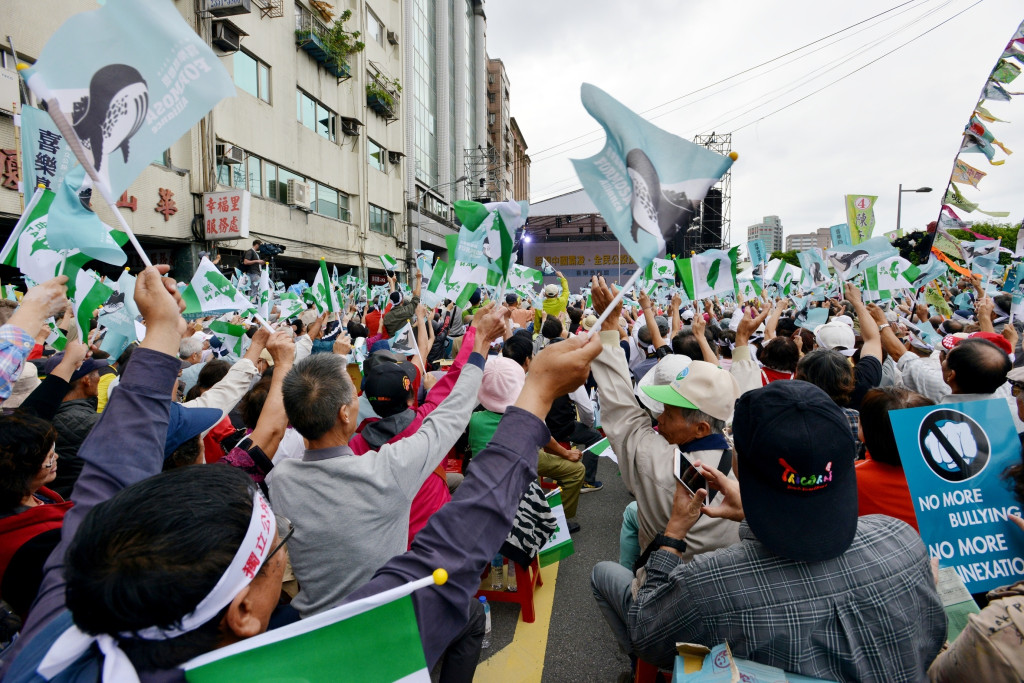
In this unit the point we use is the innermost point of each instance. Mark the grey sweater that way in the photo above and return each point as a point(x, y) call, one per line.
point(351, 513)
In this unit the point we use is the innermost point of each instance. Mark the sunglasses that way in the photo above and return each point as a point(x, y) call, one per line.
point(1016, 388)
point(289, 530)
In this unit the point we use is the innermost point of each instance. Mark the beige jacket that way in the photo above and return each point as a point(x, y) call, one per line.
point(646, 459)
point(991, 647)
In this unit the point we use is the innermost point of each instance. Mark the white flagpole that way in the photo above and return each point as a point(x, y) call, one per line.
point(37, 86)
point(615, 302)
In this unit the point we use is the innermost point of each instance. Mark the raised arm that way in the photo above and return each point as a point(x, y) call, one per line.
point(652, 324)
point(470, 529)
point(135, 420)
point(868, 327)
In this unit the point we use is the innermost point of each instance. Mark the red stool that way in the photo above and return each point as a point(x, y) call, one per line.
point(646, 672)
point(527, 580)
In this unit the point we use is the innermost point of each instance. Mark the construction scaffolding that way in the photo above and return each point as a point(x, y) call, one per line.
point(716, 209)
point(481, 169)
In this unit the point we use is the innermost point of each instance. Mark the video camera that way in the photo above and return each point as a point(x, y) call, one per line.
point(270, 249)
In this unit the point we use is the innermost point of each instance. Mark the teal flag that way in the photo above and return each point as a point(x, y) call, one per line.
point(849, 261)
point(47, 155)
point(647, 183)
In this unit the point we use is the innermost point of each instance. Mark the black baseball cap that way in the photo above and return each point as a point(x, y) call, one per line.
point(88, 365)
point(795, 455)
point(388, 387)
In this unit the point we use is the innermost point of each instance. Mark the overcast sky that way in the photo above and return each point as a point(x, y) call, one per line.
point(898, 120)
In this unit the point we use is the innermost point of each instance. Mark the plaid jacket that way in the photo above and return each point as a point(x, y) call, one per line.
point(871, 614)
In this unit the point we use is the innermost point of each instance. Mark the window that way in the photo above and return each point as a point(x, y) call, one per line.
point(326, 201)
point(375, 155)
point(270, 172)
point(490, 78)
point(315, 116)
point(374, 29)
point(252, 75)
point(490, 97)
point(490, 119)
point(255, 177)
point(283, 176)
point(232, 175)
point(382, 220)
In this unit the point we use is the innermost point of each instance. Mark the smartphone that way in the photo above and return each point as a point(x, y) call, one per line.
point(690, 477)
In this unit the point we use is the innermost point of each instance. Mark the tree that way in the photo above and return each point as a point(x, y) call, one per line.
point(787, 256)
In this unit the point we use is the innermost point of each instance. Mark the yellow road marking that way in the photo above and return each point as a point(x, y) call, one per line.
point(522, 661)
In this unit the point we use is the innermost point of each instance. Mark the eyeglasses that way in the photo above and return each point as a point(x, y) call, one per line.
point(290, 529)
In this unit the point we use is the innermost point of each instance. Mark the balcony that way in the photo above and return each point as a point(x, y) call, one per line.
point(382, 96)
point(310, 35)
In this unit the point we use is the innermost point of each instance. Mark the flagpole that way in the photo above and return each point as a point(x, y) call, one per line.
point(615, 302)
point(64, 126)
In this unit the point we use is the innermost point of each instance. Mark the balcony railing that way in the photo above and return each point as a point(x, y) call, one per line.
point(309, 35)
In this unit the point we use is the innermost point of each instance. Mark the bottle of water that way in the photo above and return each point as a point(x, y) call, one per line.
point(510, 583)
point(497, 565)
point(487, 623)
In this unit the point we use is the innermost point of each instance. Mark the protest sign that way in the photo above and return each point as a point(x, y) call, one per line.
point(954, 456)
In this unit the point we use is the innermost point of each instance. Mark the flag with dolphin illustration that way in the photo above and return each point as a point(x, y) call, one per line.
point(122, 82)
point(647, 183)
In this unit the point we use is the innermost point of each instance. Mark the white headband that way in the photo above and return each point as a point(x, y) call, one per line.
point(246, 564)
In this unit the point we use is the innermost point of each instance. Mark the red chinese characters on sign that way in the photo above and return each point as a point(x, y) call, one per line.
point(226, 214)
point(126, 202)
point(9, 171)
point(166, 205)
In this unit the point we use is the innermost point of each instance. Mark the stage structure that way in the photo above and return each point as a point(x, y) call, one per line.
point(711, 230)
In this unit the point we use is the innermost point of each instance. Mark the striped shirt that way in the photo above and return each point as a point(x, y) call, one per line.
point(871, 614)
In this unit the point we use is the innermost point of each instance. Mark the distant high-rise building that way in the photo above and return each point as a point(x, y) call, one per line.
point(802, 241)
point(769, 230)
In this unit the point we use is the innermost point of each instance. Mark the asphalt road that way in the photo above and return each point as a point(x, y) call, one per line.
point(580, 647)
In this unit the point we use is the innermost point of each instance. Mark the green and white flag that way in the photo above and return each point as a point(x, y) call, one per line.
point(560, 545)
point(487, 235)
point(785, 275)
point(233, 337)
point(87, 294)
point(210, 292)
point(56, 339)
point(373, 640)
point(661, 269)
point(436, 289)
point(750, 289)
point(522, 276)
point(603, 447)
point(404, 342)
point(28, 249)
point(709, 273)
point(264, 293)
point(546, 267)
point(290, 306)
point(321, 294)
point(389, 263)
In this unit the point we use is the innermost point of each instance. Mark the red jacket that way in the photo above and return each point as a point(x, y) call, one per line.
point(434, 492)
point(18, 529)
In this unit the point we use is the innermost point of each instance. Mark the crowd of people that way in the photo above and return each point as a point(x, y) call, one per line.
point(182, 497)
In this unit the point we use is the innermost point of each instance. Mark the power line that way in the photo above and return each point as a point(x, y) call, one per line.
point(814, 92)
point(739, 73)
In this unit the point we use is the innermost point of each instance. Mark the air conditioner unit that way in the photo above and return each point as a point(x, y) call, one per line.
point(298, 194)
point(226, 37)
point(395, 157)
point(350, 126)
point(392, 37)
point(229, 154)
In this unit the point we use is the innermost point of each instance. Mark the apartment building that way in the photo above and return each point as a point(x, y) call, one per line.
point(769, 230)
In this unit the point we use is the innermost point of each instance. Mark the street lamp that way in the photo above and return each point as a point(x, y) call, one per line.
point(410, 258)
point(899, 202)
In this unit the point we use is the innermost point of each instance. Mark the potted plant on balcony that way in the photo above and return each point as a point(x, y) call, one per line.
point(380, 96)
point(341, 43)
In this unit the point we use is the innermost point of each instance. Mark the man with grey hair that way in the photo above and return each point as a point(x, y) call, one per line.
point(692, 405)
point(351, 513)
point(190, 350)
